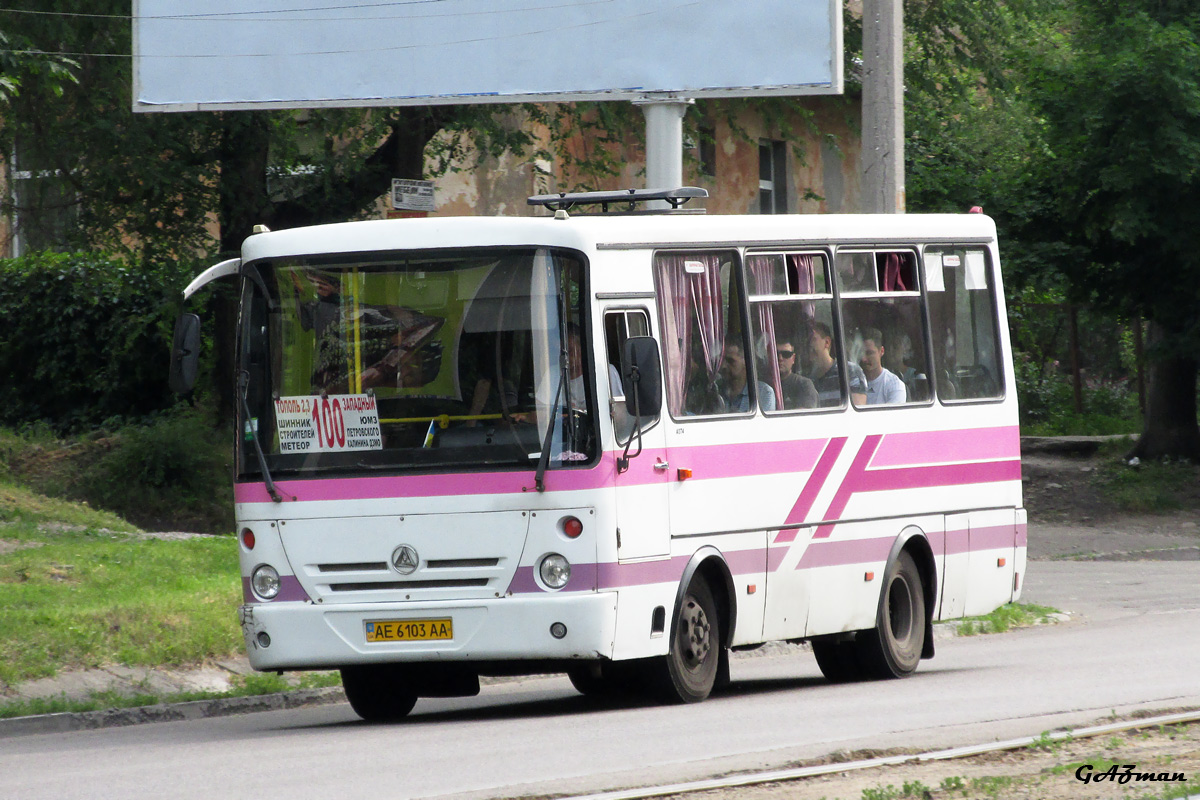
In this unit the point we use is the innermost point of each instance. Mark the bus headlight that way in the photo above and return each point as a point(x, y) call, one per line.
point(555, 571)
point(265, 581)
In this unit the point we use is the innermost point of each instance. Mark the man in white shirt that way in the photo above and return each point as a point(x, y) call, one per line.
point(884, 387)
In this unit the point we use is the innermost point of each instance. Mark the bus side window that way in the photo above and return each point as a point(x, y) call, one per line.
point(885, 332)
point(962, 315)
point(706, 361)
point(620, 325)
point(789, 301)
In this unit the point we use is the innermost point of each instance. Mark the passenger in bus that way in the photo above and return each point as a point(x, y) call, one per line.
point(884, 387)
point(798, 390)
point(824, 371)
point(734, 384)
point(899, 359)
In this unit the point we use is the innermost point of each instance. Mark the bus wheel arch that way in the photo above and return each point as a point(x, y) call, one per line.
point(696, 660)
point(913, 541)
point(903, 633)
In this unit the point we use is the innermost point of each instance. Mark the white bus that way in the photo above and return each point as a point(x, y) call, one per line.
point(618, 446)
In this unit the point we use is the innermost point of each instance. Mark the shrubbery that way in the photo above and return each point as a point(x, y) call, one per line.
point(86, 338)
point(170, 471)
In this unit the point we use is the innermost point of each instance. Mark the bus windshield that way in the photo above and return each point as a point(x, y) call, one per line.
point(468, 358)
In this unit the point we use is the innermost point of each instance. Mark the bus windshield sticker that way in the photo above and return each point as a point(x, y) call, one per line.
point(976, 270)
point(328, 424)
point(933, 272)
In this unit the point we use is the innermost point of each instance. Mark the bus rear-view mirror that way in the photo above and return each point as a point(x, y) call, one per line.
point(641, 375)
point(185, 354)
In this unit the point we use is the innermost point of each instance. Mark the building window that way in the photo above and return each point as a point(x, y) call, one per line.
point(772, 177)
point(44, 207)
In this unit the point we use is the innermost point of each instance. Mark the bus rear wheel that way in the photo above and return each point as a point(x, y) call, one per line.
point(689, 670)
point(838, 660)
point(893, 648)
point(378, 692)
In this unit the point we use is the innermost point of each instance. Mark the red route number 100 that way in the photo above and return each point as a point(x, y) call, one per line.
point(330, 424)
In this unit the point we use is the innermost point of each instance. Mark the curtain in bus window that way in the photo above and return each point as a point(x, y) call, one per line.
point(761, 273)
point(676, 327)
point(705, 288)
point(806, 283)
point(690, 300)
point(893, 281)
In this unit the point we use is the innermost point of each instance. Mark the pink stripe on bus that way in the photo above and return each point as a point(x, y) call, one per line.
point(742, 460)
point(995, 537)
point(290, 590)
point(934, 447)
point(850, 484)
point(812, 488)
point(842, 553)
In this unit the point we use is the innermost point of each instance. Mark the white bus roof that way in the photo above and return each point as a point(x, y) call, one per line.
point(589, 233)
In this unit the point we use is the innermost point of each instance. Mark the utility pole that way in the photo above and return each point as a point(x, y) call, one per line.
point(883, 107)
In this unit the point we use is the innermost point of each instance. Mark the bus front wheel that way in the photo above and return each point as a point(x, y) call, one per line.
point(690, 667)
point(378, 693)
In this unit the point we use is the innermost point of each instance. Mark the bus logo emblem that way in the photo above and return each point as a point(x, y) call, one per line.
point(405, 559)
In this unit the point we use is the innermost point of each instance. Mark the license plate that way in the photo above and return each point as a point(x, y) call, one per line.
point(409, 630)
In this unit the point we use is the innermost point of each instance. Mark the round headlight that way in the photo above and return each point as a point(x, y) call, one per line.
point(555, 571)
point(265, 581)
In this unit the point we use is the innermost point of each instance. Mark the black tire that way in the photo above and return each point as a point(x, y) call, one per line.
point(592, 679)
point(838, 660)
point(893, 648)
point(689, 670)
point(378, 693)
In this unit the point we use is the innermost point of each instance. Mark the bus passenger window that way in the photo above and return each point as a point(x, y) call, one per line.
point(885, 330)
point(784, 314)
point(699, 301)
point(962, 314)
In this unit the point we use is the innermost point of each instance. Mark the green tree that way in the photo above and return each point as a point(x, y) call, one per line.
point(1119, 90)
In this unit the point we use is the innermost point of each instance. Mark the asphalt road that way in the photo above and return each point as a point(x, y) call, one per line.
point(1131, 645)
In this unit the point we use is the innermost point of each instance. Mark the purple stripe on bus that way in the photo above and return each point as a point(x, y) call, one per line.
point(850, 483)
point(743, 460)
point(879, 480)
point(824, 553)
point(812, 487)
point(775, 555)
point(957, 542)
point(932, 447)
point(842, 553)
point(1022, 536)
point(996, 537)
point(583, 579)
point(290, 590)
point(746, 562)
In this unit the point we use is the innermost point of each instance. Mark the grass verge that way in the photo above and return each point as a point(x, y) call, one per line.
point(1007, 617)
point(243, 686)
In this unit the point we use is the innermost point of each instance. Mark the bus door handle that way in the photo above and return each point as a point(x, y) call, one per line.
point(661, 465)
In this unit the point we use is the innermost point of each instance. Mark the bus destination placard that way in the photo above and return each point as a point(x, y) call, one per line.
point(328, 424)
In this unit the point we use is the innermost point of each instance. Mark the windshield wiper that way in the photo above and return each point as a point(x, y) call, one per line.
point(539, 482)
point(243, 387)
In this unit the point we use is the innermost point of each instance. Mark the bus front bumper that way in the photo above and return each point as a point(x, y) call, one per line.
point(306, 635)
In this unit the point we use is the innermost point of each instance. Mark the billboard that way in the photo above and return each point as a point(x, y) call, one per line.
point(230, 54)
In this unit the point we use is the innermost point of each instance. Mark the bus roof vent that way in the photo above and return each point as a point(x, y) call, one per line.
point(623, 202)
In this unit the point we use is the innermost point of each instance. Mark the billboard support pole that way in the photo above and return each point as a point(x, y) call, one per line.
point(664, 141)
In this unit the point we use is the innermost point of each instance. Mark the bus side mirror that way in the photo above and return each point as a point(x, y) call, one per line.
point(641, 375)
point(185, 354)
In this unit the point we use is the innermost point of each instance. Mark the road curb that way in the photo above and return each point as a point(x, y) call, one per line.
point(167, 712)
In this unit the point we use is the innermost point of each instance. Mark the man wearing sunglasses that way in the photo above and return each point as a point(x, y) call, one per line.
point(798, 390)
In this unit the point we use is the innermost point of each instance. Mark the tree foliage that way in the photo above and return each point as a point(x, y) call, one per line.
point(84, 337)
